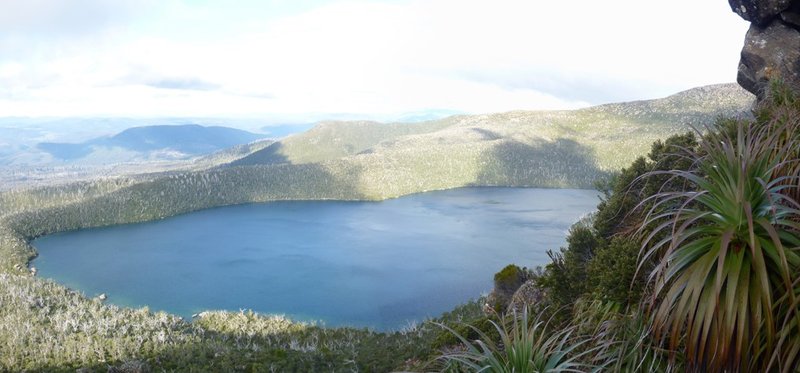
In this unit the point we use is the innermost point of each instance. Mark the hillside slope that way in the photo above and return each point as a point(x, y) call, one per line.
point(333, 140)
point(520, 148)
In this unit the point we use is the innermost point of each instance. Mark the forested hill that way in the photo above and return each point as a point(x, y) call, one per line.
point(531, 148)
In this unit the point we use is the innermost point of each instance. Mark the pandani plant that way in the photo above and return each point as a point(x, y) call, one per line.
point(527, 344)
point(726, 275)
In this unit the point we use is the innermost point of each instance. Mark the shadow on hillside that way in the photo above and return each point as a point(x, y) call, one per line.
point(178, 193)
point(270, 155)
point(486, 134)
point(558, 164)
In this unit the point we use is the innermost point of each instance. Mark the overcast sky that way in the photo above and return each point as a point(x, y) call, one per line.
point(306, 59)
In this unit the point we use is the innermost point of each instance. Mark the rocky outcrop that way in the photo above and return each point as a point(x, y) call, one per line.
point(506, 283)
point(527, 296)
point(759, 12)
point(792, 15)
point(772, 45)
point(769, 52)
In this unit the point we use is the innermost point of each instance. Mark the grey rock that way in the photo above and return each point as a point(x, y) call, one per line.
point(759, 11)
point(528, 295)
point(769, 52)
point(792, 15)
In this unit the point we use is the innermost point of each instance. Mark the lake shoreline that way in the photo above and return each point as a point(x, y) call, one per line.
point(485, 277)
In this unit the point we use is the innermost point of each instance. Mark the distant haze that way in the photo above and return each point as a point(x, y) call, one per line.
point(307, 60)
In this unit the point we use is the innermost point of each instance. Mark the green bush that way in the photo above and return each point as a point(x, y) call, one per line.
point(509, 279)
point(470, 330)
point(612, 274)
point(600, 256)
point(506, 282)
point(565, 276)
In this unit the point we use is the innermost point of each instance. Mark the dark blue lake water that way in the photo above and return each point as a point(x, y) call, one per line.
point(373, 264)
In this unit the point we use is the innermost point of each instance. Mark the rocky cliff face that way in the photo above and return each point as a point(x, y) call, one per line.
point(772, 45)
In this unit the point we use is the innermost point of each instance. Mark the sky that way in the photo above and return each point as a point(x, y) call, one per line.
point(305, 60)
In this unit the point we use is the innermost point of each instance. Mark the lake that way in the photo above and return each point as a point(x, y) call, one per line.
point(381, 265)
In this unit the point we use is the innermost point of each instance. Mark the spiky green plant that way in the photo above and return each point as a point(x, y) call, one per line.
point(726, 280)
point(623, 338)
point(781, 112)
point(526, 345)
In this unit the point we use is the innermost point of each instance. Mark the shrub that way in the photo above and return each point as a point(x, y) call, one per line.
point(612, 272)
point(565, 276)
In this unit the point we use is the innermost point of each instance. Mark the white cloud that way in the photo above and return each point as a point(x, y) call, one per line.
point(380, 58)
point(56, 18)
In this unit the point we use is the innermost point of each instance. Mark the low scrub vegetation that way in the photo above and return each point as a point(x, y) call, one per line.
point(46, 327)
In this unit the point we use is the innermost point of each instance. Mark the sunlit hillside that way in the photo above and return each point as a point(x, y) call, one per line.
point(520, 148)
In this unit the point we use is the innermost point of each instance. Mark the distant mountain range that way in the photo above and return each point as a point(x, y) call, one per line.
point(152, 142)
point(20, 139)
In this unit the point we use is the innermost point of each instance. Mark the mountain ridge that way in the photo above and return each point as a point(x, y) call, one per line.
point(598, 140)
point(162, 141)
